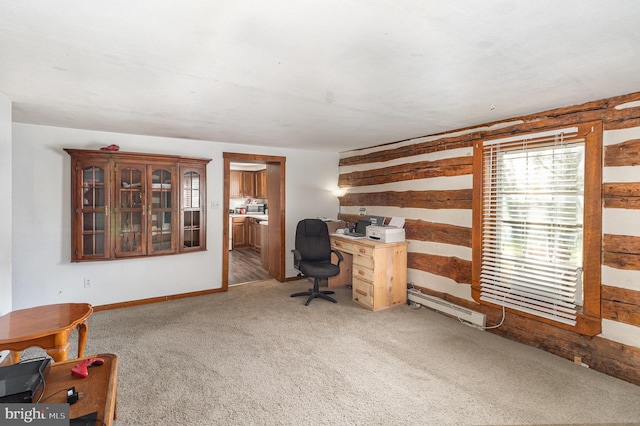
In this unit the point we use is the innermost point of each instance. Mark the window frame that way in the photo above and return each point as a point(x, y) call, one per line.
point(588, 321)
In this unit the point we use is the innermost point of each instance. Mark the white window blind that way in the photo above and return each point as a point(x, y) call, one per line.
point(532, 223)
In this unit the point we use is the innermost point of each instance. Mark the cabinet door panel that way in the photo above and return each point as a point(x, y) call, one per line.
point(93, 245)
point(239, 232)
point(90, 222)
point(161, 211)
point(192, 223)
point(261, 184)
point(248, 184)
point(130, 198)
point(235, 184)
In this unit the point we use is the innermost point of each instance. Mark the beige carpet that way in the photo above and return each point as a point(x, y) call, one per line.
point(255, 356)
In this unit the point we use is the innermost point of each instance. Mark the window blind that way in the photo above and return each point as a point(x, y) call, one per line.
point(532, 223)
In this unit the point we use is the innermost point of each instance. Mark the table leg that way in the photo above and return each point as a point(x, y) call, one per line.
point(82, 338)
point(59, 353)
point(14, 357)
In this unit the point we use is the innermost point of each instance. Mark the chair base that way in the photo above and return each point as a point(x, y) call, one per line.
point(315, 293)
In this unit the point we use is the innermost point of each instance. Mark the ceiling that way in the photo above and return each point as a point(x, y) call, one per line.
point(327, 75)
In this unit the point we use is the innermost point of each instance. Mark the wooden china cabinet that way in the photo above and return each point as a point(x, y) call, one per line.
point(132, 204)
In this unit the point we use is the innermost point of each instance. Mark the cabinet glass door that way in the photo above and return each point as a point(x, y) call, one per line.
point(162, 239)
point(191, 210)
point(130, 223)
point(93, 213)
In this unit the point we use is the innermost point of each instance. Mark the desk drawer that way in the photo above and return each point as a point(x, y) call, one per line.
point(342, 245)
point(363, 260)
point(354, 247)
point(363, 273)
point(362, 293)
point(363, 250)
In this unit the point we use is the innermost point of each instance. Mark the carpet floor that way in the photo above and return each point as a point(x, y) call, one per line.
point(255, 356)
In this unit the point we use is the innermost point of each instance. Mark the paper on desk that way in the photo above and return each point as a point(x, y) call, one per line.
point(396, 221)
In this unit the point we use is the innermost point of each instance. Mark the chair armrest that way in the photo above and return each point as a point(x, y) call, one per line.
point(340, 258)
point(297, 258)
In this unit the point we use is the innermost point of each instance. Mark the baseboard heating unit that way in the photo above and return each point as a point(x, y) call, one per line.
point(464, 314)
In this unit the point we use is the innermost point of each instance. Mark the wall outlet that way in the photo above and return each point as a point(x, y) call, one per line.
point(87, 283)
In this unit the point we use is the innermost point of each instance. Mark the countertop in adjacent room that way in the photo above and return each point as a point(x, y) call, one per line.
point(253, 215)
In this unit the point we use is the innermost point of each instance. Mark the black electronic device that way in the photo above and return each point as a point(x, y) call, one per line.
point(375, 220)
point(23, 382)
point(361, 229)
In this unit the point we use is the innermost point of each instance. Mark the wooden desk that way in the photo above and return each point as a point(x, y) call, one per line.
point(99, 390)
point(378, 271)
point(47, 327)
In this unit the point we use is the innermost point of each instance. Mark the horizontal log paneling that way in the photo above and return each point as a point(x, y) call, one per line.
point(590, 111)
point(454, 268)
point(621, 123)
point(437, 232)
point(621, 251)
point(621, 195)
point(622, 261)
point(421, 230)
point(621, 244)
point(403, 172)
point(612, 358)
point(621, 304)
point(452, 199)
point(443, 144)
point(626, 153)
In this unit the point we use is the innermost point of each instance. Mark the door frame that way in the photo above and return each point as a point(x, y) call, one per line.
point(276, 205)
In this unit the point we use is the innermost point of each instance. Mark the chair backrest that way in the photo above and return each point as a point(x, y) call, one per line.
point(312, 240)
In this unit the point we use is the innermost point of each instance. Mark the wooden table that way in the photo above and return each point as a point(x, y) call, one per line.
point(376, 270)
point(99, 391)
point(47, 327)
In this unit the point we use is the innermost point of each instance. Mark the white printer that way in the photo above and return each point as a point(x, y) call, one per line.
point(385, 234)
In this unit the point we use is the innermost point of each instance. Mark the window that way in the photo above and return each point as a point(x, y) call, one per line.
point(537, 238)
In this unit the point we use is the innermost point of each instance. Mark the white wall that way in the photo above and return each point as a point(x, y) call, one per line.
point(42, 271)
point(5, 207)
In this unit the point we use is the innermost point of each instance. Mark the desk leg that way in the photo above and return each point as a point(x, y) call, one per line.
point(14, 356)
point(82, 338)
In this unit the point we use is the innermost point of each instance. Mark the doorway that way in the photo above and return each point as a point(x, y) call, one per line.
point(275, 192)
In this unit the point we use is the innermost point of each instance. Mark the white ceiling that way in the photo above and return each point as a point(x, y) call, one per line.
point(323, 74)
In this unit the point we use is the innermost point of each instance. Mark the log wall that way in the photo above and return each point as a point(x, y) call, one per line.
point(428, 180)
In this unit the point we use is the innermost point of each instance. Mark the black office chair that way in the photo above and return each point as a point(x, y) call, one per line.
point(312, 257)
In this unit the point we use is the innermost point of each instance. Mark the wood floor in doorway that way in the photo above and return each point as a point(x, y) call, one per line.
point(245, 266)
